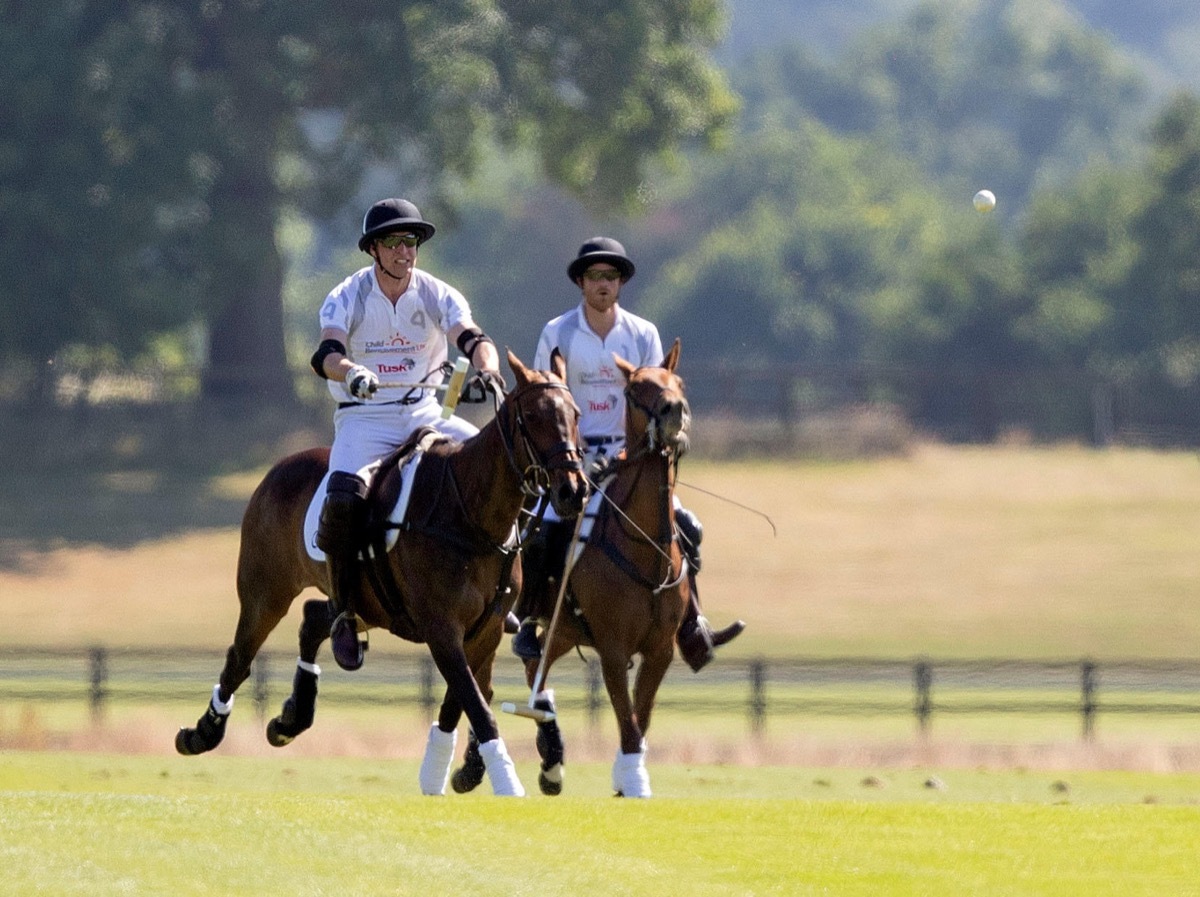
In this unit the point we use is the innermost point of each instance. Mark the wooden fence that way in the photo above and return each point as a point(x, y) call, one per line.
point(759, 689)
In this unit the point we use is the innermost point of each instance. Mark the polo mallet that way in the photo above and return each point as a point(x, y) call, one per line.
point(531, 712)
point(453, 389)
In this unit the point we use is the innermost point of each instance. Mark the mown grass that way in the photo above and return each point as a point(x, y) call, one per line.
point(100, 824)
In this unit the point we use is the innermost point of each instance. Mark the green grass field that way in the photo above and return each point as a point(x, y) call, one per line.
point(104, 824)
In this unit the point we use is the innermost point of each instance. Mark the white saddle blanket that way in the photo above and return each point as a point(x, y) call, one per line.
point(408, 471)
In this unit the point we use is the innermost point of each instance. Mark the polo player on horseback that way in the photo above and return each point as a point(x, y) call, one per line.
point(588, 336)
point(389, 318)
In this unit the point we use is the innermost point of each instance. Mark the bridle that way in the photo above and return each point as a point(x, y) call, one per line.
point(654, 427)
point(535, 473)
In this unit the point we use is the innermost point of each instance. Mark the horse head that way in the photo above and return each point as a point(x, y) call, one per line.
point(543, 441)
point(657, 415)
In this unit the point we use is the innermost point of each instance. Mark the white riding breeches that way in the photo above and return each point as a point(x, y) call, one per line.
point(362, 434)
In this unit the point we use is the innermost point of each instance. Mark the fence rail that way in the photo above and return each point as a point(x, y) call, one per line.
point(761, 689)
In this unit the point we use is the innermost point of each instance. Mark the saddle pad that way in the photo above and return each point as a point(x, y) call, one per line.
point(408, 470)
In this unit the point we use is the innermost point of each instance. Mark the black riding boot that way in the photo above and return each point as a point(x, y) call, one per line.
point(542, 567)
point(696, 638)
point(339, 535)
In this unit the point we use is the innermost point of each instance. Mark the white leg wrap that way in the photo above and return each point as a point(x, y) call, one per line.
point(500, 769)
point(629, 775)
point(435, 766)
point(218, 705)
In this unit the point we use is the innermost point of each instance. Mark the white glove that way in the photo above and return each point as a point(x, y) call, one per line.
point(362, 382)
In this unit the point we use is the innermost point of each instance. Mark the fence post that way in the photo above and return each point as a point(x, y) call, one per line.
point(758, 696)
point(98, 676)
point(923, 699)
point(1087, 676)
point(594, 702)
point(262, 674)
point(426, 696)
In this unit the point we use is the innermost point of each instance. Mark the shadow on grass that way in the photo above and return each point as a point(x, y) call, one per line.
point(124, 475)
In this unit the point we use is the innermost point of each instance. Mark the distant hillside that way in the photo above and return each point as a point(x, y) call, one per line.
point(1160, 35)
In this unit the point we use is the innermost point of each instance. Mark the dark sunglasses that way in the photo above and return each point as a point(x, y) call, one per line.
point(391, 241)
point(601, 275)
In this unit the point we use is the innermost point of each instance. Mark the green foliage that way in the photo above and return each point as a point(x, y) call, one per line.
point(172, 136)
point(806, 234)
point(1160, 306)
point(1008, 93)
point(1078, 248)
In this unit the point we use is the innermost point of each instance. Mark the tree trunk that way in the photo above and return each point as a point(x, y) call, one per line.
point(246, 349)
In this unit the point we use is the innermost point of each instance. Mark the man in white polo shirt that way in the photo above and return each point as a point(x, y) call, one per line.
point(391, 320)
point(588, 336)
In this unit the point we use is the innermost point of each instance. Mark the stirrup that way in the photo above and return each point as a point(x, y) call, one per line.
point(349, 646)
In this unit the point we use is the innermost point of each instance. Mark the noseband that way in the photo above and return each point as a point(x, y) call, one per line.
point(654, 425)
point(535, 475)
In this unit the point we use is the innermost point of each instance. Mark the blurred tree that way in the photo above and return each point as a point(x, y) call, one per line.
point(151, 147)
point(802, 235)
point(1158, 315)
point(1008, 94)
point(1077, 246)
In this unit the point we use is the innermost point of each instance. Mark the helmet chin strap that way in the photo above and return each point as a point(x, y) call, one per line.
point(382, 267)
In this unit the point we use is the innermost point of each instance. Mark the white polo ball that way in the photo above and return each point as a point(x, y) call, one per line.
point(985, 201)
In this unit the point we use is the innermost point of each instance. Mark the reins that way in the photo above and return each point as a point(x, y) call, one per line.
point(635, 454)
point(469, 537)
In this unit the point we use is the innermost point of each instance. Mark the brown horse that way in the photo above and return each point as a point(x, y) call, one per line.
point(444, 583)
point(628, 589)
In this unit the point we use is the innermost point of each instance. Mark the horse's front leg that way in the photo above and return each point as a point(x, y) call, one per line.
point(629, 776)
point(451, 660)
point(256, 620)
point(439, 751)
point(550, 746)
point(300, 707)
point(650, 675)
point(468, 776)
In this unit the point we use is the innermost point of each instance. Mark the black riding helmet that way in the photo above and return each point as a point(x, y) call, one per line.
point(601, 249)
point(390, 215)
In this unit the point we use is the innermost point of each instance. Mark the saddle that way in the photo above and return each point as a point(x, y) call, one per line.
point(407, 458)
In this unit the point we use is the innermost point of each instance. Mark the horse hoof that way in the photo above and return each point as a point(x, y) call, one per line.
point(183, 742)
point(466, 778)
point(550, 781)
point(275, 736)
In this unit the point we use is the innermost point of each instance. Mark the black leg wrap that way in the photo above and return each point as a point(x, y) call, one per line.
point(468, 776)
point(207, 735)
point(298, 710)
point(551, 749)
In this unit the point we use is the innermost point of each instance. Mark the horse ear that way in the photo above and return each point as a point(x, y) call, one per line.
point(558, 364)
point(626, 368)
point(519, 370)
point(672, 358)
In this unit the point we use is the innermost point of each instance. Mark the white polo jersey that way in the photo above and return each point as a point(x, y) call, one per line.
point(595, 381)
point(403, 342)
